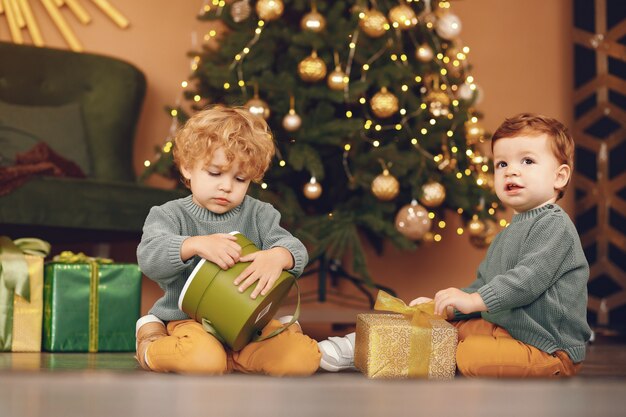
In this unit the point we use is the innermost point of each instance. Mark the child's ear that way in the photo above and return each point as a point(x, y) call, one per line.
point(186, 173)
point(562, 176)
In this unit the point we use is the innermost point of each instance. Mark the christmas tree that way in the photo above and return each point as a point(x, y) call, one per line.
point(371, 104)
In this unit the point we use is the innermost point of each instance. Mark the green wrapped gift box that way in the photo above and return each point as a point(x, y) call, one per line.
point(90, 307)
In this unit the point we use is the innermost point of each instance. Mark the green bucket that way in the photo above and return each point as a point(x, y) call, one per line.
point(210, 297)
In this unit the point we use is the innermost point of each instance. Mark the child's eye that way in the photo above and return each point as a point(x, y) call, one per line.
point(241, 179)
point(527, 161)
point(500, 164)
point(214, 173)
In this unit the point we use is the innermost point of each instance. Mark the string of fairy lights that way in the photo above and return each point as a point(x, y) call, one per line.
point(442, 99)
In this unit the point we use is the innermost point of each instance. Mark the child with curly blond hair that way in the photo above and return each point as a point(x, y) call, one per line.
point(219, 151)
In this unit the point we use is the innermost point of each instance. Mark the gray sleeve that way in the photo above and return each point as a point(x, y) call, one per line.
point(274, 235)
point(158, 253)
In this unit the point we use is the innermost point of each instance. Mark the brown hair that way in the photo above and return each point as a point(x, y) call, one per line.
point(242, 135)
point(561, 141)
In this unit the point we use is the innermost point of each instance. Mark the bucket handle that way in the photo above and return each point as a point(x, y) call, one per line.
point(208, 327)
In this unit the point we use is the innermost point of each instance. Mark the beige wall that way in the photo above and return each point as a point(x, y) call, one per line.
point(520, 50)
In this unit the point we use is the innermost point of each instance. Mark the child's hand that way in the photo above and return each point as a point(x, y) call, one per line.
point(420, 300)
point(266, 267)
point(462, 301)
point(220, 248)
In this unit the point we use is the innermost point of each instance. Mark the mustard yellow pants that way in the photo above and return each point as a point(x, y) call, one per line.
point(190, 349)
point(486, 349)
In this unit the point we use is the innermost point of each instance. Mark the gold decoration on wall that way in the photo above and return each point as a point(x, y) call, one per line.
point(20, 17)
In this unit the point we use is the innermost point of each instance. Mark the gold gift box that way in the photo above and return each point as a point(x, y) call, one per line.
point(383, 346)
point(27, 315)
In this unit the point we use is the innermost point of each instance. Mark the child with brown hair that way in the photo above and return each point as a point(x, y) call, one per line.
point(525, 315)
point(219, 151)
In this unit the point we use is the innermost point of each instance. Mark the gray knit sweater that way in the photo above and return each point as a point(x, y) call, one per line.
point(167, 226)
point(534, 282)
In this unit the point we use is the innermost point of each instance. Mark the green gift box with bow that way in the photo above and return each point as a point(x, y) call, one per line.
point(90, 304)
point(21, 286)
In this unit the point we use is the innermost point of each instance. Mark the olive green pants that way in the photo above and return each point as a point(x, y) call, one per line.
point(188, 348)
point(486, 349)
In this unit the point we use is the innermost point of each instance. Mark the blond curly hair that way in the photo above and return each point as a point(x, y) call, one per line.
point(244, 137)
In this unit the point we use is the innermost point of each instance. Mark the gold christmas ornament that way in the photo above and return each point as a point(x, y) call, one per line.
point(474, 132)
point(373, 23)
point(313, 21)
point(484, 239)
point(448, 26)
point(258, 107)
point(385, 186)
point(312, 189)
point(479, 160)
point(438, 103)
point(424, 53)
point(312, 68)
point(412, 221)
point(465, 92)
point(433, 194)
point(475, 227)
point(240, 10)
point(384, 104)
point(337, 79)
point(292, 121)
point(403, 17)
point(269, 9)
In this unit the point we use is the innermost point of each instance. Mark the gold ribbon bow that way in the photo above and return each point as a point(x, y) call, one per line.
point(420, 316)
point(14, 279)
point(70, 257)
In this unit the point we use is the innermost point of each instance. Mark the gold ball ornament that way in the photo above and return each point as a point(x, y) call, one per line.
point(475, 227)
point(424, 53)
point(373, 23)
point(448, 26)
point(313, 21)
point(269, 9)
point(385, 186)
point(240, 10)
point(474, 132)
point(465, 92)
point(403, 17)
point(258, 107)
point(484, 239)
point(292, 121)
point(312, 68)
point(433, 194)
point(438, 103)
point(312, 189)
point(384, 104)
point(412, 221)
point(337, 79)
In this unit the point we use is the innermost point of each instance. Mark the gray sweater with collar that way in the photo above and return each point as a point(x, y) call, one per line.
point(168, 225)
point(533, 281)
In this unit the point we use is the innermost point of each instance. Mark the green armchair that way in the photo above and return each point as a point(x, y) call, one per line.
point(85, 107)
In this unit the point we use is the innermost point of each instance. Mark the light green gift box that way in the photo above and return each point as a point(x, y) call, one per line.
point(211, 298)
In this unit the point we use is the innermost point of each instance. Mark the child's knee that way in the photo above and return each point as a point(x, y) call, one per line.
point(468, 354)
point(204, 355)
point(300, 357)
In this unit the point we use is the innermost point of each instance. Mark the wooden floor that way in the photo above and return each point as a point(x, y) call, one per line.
point(111, 385)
